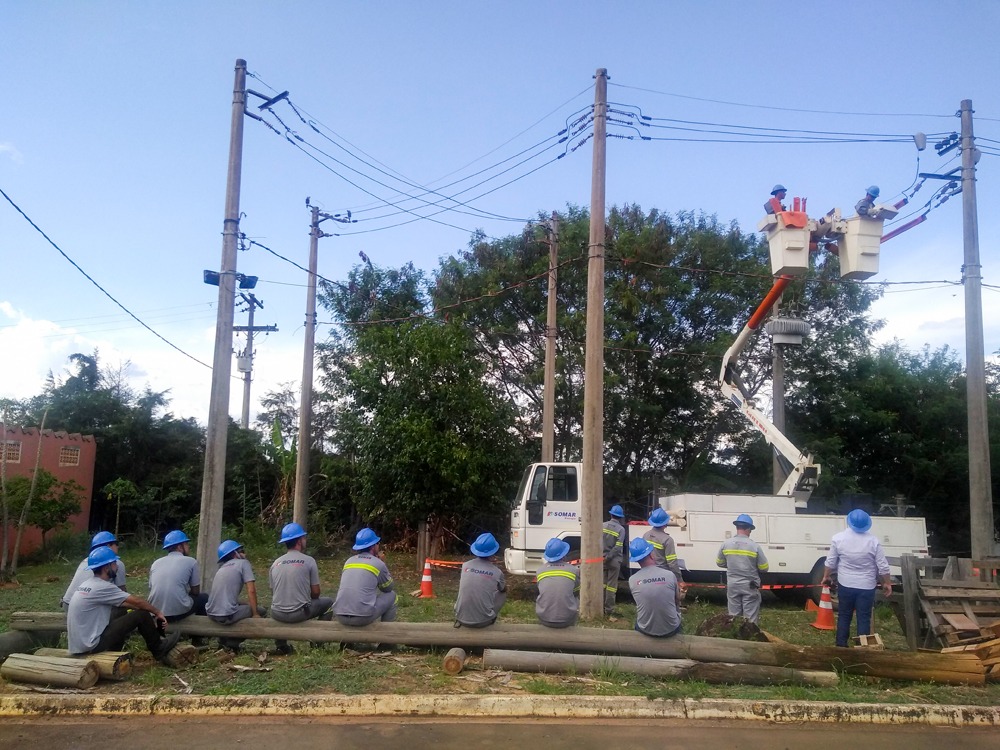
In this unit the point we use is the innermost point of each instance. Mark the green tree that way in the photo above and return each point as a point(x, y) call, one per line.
point(53, 502)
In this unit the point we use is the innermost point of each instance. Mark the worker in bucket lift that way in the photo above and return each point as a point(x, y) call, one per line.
point(744, 561)
point(775, 205)
point(614, 540)
point(866, 206)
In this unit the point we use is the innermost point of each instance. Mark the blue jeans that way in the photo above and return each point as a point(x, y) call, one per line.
point(850, 601)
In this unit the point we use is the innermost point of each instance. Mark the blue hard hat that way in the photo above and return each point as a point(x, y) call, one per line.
point(173, 538)
point(228, 547)
point(778, 189)
point(859, 521)
point(744, 518)
point(616, 511)
point(101, 539)
point(555, 550)
point(659, 518)
point(100, 557)
point(485, 545)
point(873, 191)
point(638, 549)
point(366, 538)
point(290, 532)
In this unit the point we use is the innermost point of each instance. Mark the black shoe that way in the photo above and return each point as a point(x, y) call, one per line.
point(166, 645)
point(285, 648)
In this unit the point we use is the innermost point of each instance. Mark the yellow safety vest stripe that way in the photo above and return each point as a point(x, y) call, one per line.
point(658, 545)
point(744, 552)
point(560, 573)
point(362, 566)
point(613, 533)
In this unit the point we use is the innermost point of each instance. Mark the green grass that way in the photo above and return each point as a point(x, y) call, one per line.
point(418, 671)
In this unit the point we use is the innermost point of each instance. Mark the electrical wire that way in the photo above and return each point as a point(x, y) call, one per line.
point(103, 290)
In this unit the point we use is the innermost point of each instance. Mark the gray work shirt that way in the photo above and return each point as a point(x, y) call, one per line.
point(292, 577)
point(664, 551)
point(479, 590)
point(170, 580)
point(743, 559)
point(614, 537)
point(224, 598)
point(83, 573)
point(655, 592)
point(364, 576)
point(558, 592)
point(90, 612)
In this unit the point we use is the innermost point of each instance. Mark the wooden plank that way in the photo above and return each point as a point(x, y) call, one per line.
point(940, 584)
point(889, 664)
point(983, 611)
point(911, 602)
point(961, 622)
point(979, 594)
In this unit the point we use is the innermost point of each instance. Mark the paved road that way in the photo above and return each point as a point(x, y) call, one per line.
point(171, 733)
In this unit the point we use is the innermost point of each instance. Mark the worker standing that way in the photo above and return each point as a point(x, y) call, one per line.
point(84, 573)
point(90, 626)
point(857, 557)
point(866, 206)
point(664, 549)
point(775, 205)
point(744, 561)
point(482, 589)
point(224, 605)
point(294, 581)
point(175, 580)
point(656, 592)
point(366, 592)
point(558, 602)
point(614, 539)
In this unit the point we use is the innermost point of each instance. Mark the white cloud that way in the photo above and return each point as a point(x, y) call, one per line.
point(11, 151)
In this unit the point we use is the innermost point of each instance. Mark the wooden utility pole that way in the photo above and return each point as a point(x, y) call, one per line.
point(300, 508)
point(245, 362)
point(549, 396)
point(214, 479)
point(592, 572)
point(980, 481)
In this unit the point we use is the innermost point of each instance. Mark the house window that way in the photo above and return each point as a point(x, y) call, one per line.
point(13, 451)
point(69, 455)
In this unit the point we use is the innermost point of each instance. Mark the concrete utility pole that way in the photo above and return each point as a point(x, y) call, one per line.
point(592, 573)
point(980, 481)
point(245, 362)
point(214, 479)
point(549, 396)
point(300, 508)
point(777, 404)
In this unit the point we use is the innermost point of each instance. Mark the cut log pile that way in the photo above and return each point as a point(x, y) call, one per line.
point(931, 667)
point(988, 653)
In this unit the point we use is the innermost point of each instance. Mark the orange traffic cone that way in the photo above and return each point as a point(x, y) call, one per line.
point(811, 606)
point(824, 615)
point(426, 587)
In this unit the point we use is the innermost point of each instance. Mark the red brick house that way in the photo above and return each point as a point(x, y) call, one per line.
point(65, 456)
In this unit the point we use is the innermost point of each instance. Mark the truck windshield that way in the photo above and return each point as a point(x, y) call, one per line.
point(525, 478)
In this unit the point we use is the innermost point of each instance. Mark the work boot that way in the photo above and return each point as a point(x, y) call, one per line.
point(284, 648)
point(167, 643)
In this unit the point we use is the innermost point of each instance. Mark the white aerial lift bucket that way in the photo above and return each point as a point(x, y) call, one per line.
point(788, 239)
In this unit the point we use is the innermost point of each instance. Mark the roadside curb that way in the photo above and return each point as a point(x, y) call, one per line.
point(496, 706)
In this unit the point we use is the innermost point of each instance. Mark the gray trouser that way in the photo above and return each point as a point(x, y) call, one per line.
point(744, 599)
point(309, 611)
point(385, 610)
point(612, 570)
point(242, 612)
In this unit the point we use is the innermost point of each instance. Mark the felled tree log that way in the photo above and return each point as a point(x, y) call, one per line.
point(454, 661)
point(50, 670)
point(898, 665)
point(678, 669)
point(23, 642)
point(113, 665)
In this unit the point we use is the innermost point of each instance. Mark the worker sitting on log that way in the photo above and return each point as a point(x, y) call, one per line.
point(367, 591)
point(175, 580)
point(101, 539)
point(89, 623)
point(656, 593)
point(482, 589)
point(294, 579)
point(614, 540)
point(558, 602)
point(224, 605)
point(744, 561)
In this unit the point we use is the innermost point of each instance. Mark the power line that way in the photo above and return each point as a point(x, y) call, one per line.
point(103, 290)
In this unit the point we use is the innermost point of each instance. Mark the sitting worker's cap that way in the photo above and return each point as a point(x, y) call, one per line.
point(228, 547)
point(858, 520)
point(485, 545)
point(616, 511)
point(173, 538)
point(366, 538)
point(102, 539)
point(744, 519)
point(659, 518)
point(638, 549)
point(101, 557)
point(290, 532)
point(555, 550)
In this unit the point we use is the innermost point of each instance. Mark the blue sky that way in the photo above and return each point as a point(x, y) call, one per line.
point(115, 126)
